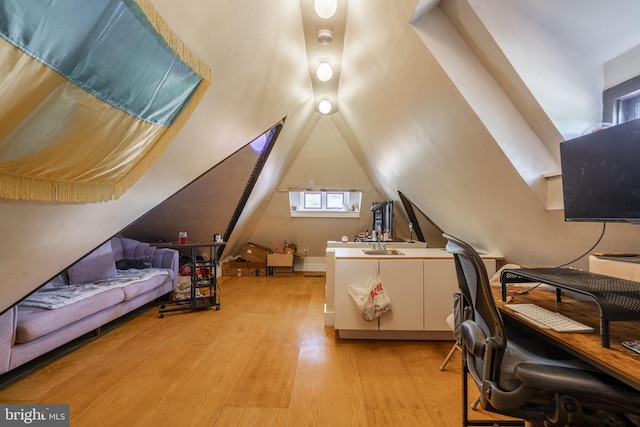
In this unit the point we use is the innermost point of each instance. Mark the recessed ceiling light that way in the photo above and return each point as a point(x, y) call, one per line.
point(324, 106)
point(325, 8)
point(325, 37)
point(324, 71)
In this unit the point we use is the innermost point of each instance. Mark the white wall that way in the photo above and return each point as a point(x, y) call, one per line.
point(622, 68)
point(566, 82)
point(326, 159)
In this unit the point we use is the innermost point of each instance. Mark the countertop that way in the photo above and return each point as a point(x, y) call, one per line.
point(408, 253)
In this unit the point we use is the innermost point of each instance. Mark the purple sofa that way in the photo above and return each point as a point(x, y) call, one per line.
point(117, 277)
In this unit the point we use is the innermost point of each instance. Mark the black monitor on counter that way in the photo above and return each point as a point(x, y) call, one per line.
point(601, 175)
point(382, 217)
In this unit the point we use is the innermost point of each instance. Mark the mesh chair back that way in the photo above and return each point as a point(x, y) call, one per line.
point(473, 282)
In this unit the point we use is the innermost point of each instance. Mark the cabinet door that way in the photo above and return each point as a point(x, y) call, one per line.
point(440, 283)
point(403, 281)
point(355, 273)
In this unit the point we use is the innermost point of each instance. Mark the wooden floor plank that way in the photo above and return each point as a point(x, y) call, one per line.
point(265, 358)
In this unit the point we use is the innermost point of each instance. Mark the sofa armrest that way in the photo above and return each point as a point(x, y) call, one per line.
point(169, 259)
point(8, 322)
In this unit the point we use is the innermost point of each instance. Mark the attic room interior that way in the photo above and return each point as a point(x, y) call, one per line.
point(352, 135)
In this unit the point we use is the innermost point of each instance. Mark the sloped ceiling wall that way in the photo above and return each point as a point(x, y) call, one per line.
point(201, 209)
point(402, 117)
point(326, 159)
point(258, 79)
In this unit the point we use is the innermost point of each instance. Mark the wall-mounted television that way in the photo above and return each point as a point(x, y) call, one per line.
point(601, 175)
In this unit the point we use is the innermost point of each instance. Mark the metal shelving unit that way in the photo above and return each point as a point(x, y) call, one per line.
point(203, 276)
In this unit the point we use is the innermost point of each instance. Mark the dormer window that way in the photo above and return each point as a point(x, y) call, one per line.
point(621, 103)
point(325, 203)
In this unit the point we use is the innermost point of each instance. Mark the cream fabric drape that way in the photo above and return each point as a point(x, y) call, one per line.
point(65, 141)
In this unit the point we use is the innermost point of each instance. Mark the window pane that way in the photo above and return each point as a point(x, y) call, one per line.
point(313, 200)
point(335, 200)
point(631, 108)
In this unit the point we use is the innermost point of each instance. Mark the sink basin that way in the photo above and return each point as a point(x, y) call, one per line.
point(380, 252)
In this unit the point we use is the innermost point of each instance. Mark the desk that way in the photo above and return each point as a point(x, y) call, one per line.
point(616, 361)
point(208, 280)
point(617, 299)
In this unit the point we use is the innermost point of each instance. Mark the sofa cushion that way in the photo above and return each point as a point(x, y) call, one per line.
point(98, 265)
point(36, 322)
point(132, 290)
point(132, 249)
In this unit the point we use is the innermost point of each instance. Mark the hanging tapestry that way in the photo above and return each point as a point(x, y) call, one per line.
point(91, 93)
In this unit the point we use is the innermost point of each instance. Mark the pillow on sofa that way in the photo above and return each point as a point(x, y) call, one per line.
point(59, 281)
point(139, 263)
point(99, 264)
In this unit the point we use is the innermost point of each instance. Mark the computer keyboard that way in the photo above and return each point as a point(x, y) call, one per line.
point(548, 319)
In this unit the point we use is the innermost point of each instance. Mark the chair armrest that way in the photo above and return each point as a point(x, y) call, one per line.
point(473, 338)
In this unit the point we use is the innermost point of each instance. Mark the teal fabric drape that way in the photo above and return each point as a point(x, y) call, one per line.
point(90, 44)
point(91, 93)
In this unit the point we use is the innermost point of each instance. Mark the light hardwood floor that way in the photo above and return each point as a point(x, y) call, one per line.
point(264, 359)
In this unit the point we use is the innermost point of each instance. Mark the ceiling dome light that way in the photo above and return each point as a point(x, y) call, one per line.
point(324, 71)
point(325, 8)
point(324, 106)
point(325, 37)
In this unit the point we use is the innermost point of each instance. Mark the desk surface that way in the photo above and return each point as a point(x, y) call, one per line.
point(617, 360)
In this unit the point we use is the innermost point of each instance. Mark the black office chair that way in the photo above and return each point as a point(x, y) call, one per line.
point(519, 375)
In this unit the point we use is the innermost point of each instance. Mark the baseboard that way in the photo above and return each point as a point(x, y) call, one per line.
point(328, 317)
point(310, 263)
point(396, 335)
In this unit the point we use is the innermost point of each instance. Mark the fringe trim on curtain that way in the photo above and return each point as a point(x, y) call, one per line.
point(172, 39)
point(21, 188)
point(33, 189)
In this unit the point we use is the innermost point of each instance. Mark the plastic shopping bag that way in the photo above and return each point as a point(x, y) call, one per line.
point(372, 300)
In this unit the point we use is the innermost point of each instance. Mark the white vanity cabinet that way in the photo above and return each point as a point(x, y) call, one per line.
point(352, 273)
point(420, 284)
point(440, 283)
point(402, 281)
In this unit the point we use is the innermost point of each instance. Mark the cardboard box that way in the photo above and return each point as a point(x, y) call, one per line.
point(256, 268)
point(280, 260)
point(280, 264)
point(254, 252)
point(282, 271)
point(243, 267)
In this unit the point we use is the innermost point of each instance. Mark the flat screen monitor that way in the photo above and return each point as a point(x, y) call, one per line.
point(601, 175)
point(383, 217)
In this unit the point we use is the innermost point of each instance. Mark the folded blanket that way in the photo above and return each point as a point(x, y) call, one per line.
point(60, 296)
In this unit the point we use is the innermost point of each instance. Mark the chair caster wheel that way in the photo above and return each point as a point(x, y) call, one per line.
point(162, 315)
point(162, 306)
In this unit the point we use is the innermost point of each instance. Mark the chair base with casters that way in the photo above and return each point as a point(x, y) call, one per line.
point(519, 374)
